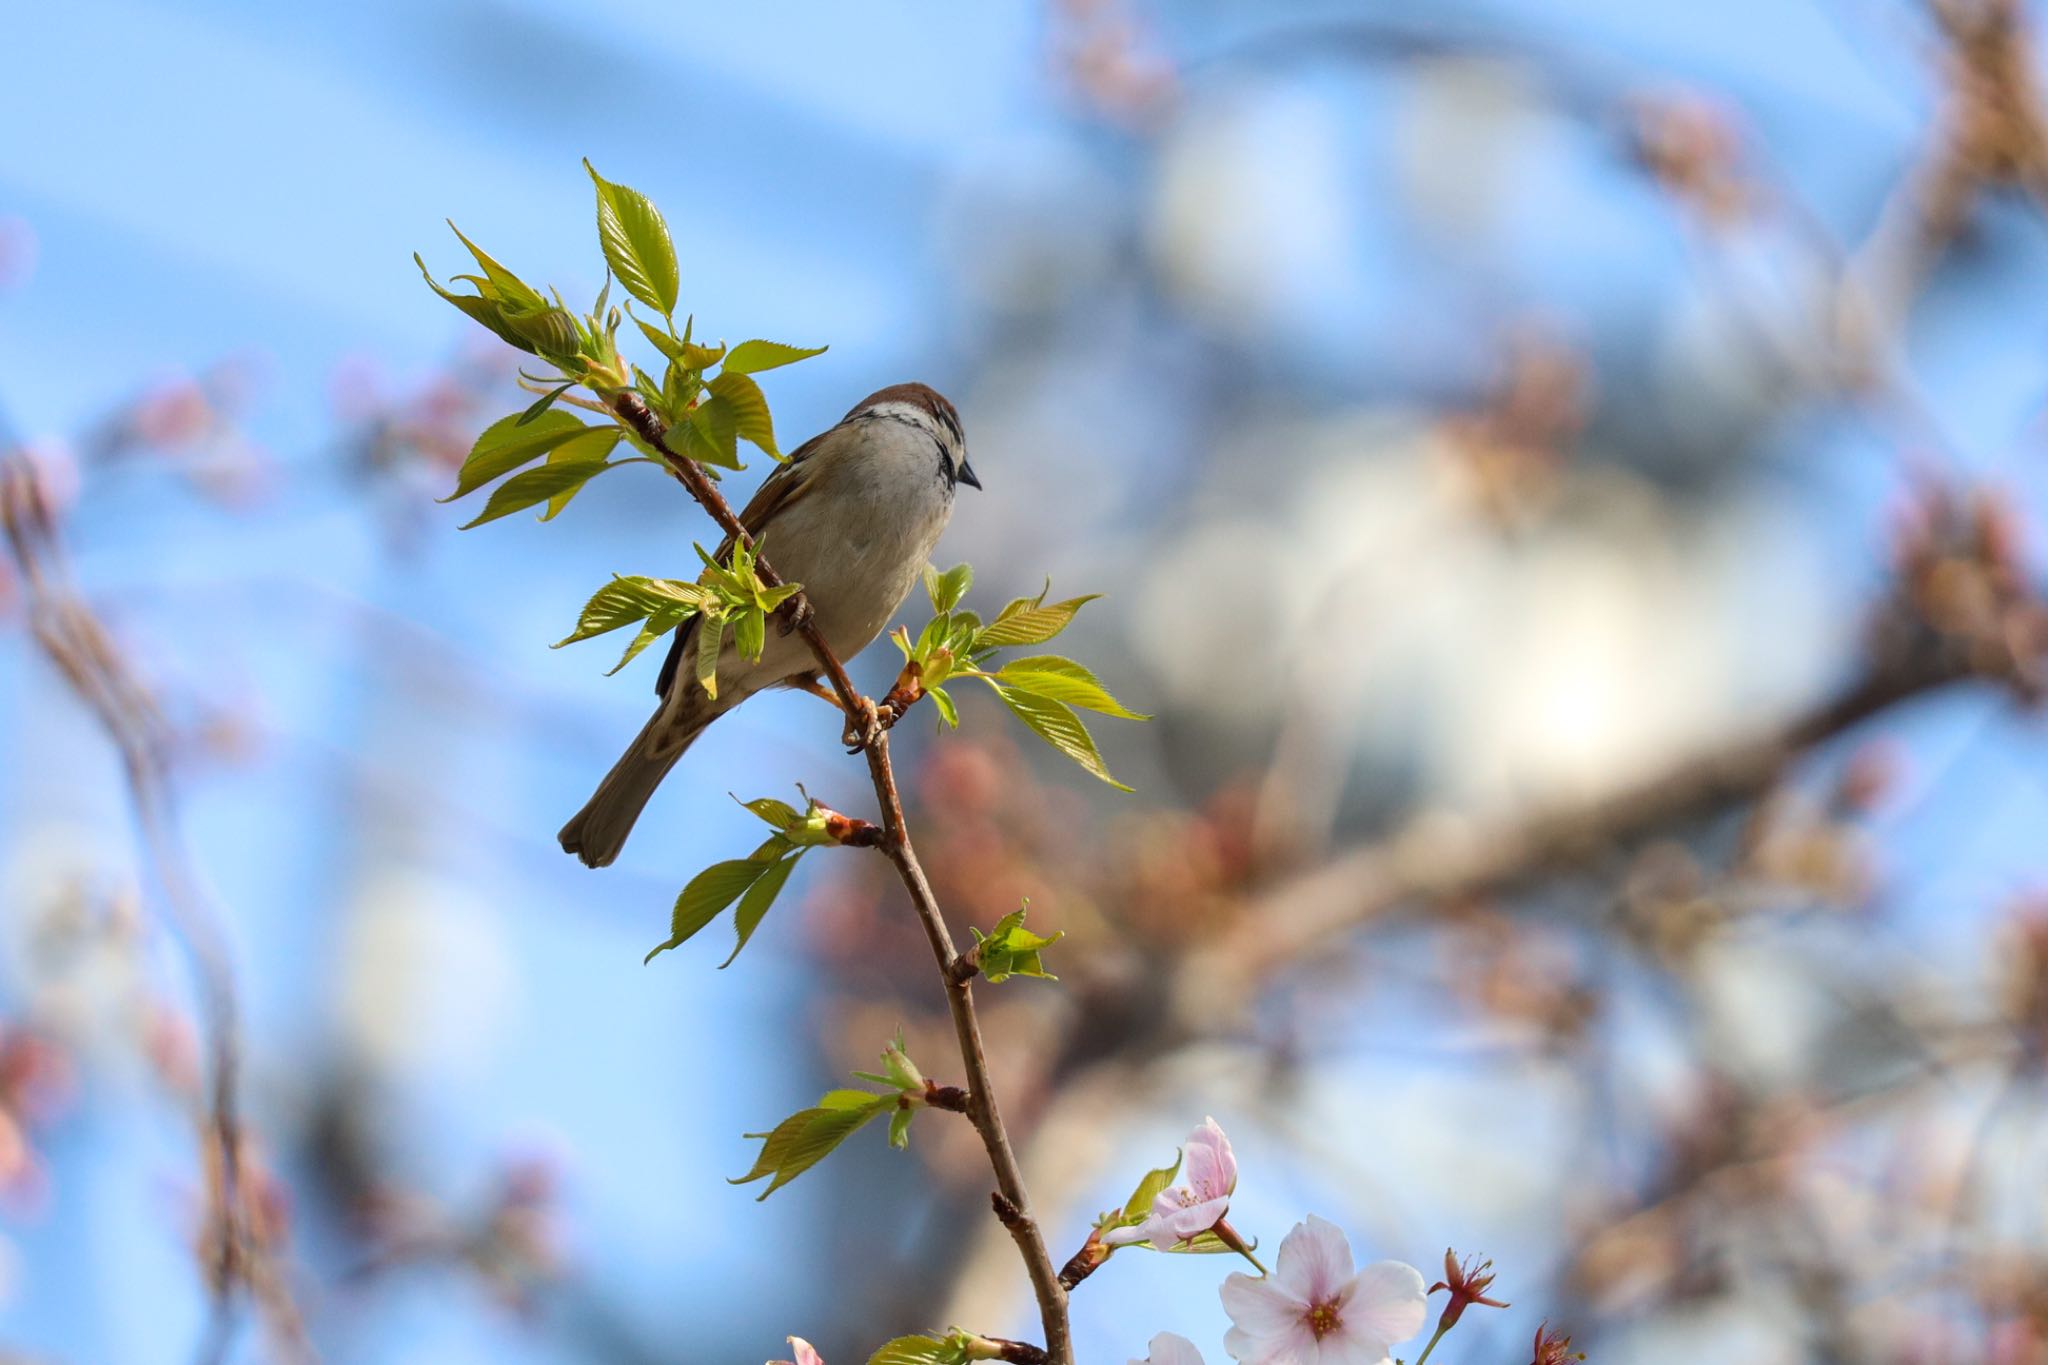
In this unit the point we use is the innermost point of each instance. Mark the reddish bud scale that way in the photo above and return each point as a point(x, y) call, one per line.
point(1084, 1262)
point(848, 831)
point(948, 1097)
point(908, 689)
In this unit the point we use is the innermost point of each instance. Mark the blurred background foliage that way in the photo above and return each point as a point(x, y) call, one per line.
point(1567, 478)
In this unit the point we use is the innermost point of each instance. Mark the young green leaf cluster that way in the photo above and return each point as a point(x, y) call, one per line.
point(806, 1137)
point(709, 414)
point(1045, 691)
point(724, 596)
point(1010, 950)
point(754, 881)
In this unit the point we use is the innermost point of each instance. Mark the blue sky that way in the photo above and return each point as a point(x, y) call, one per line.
point(212, 179)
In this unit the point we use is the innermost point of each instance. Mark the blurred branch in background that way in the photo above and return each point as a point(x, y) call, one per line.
point(1963, 613)
point(240, 1247)
point(1223, 896)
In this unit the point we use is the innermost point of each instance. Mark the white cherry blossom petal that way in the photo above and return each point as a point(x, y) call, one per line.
point(1169, 1349)
point(1315, 1261)
point(1261, 1307)
point(1349, 1348)
point(1211, 1169)
point(1387, 1301)
point(1178, 1224)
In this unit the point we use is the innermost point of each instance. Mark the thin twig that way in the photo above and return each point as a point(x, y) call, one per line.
point(1011, 1201)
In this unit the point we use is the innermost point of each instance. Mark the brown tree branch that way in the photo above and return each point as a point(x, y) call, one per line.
point(1011, 1202)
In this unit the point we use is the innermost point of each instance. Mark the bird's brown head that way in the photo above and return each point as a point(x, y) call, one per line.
point(925, 407)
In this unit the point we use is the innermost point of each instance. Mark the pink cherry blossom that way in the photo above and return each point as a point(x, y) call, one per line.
point(806, 1354)
point(1168, 1349)
point(1185, 1211)
point(1313, 1311)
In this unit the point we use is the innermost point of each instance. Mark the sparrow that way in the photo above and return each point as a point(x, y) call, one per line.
point(853, 516)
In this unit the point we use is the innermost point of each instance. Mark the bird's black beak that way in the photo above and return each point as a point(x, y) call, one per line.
point(967, 475)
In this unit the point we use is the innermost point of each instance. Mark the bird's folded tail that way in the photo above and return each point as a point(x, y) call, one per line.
point(599, 830)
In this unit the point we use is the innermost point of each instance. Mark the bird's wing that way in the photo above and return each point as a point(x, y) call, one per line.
point(777, 493)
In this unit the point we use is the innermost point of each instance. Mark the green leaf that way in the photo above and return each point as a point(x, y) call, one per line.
point(708, 893)
point(618, 603)
point(943, 700)
point(669, 346)
point(1056, 724)
point(710, 435)
point(544, 402)
point(1139, 1206)
point(768, 600)
point(918, 1351)
point(511, 442)
point(680, 386)
point(625, 600)
point(805, 1138)
point(1024, 622)
point(594, 444)
point(752, 357)
point(508, 285)
point(749, 634)
point(548, 331)
point(488, 313)
point(636, 243)
point(522, 491)
point(1012, 950)
point(777, 1142)
point(755, 903)
point(899, 1127)
point(946, 589)
point(658, 625)
point(701, 357)
point(780, 814)
point(710, 635)
point(899, 1072)
point(1049, 675)
point(749, 408)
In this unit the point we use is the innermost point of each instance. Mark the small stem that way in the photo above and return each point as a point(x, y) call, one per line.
point(587, 404)
point(1228, 1235)
point(1441, 1328)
